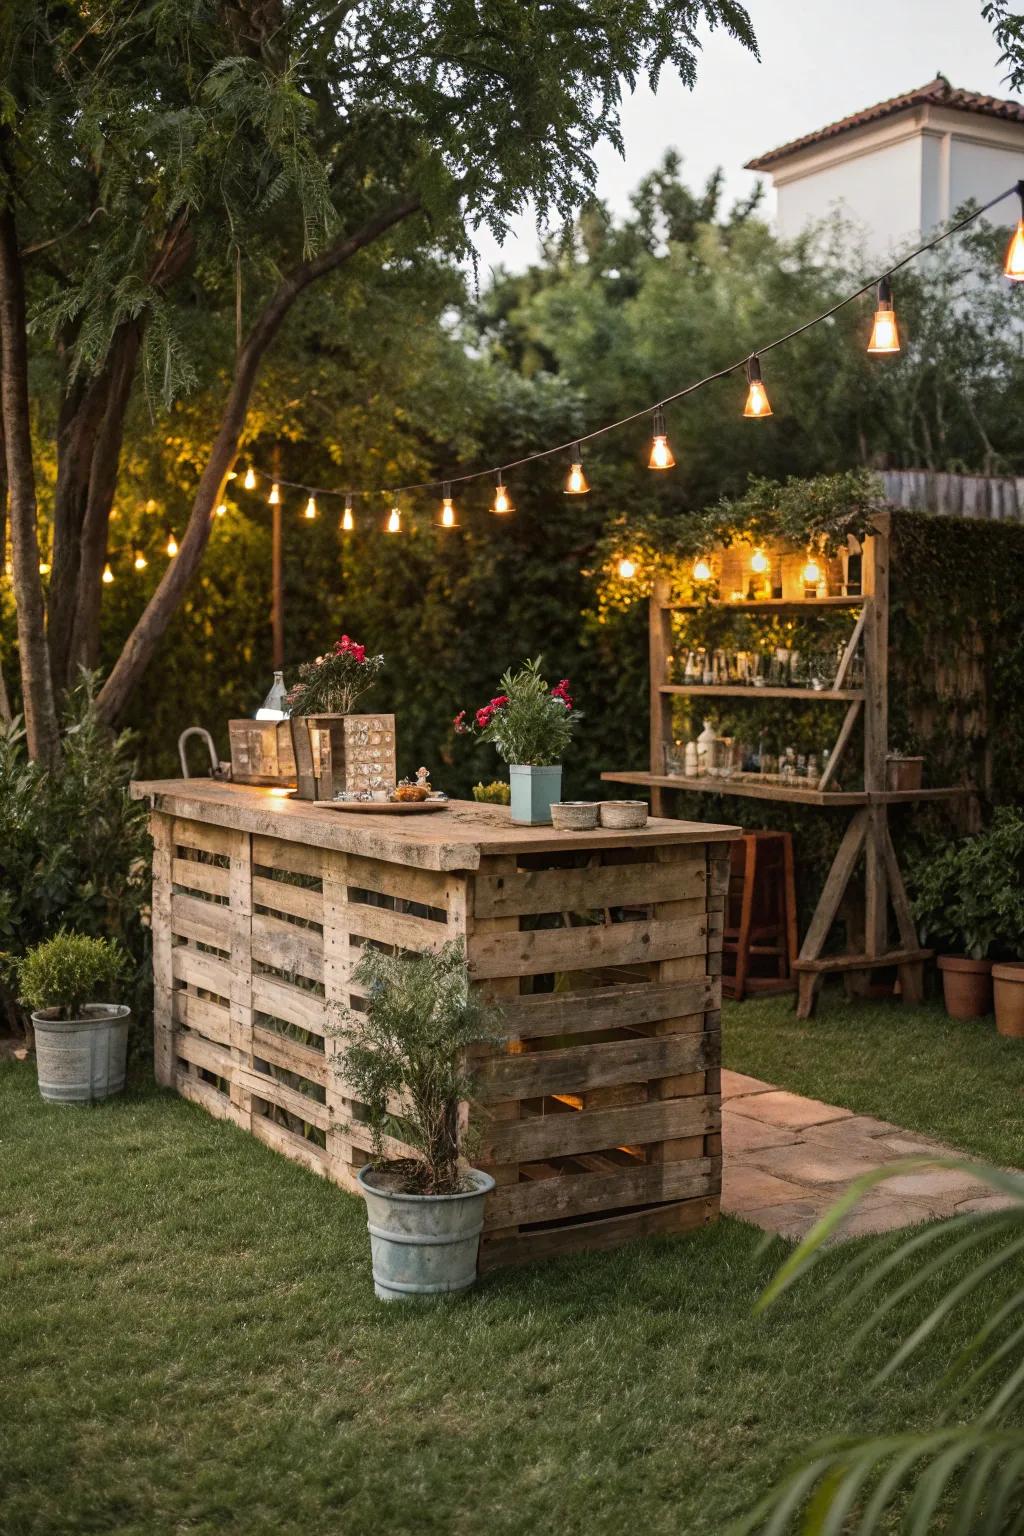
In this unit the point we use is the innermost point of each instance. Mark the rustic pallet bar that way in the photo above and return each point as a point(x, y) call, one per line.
point(599, 1114)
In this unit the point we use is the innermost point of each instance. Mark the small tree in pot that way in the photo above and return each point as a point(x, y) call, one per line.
point(531, 725)
point(81, 1037)
point(969, 898)
point(404, 1060)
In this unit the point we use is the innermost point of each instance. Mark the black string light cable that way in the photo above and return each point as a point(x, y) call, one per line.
point(748, 364)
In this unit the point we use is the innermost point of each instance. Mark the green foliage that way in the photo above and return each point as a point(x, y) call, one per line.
point(970, 896)
point(336, 681)
point(405, 1055)
point(498, 792)
point(968, 1474)
point(74, 848)
point(68, 971)
point(528, 722)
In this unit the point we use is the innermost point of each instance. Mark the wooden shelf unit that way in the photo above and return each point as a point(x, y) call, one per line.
point(868, 835)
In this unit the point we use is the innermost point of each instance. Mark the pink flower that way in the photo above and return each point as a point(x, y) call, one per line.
point(460, 723)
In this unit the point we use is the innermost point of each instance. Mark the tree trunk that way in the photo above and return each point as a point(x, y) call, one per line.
point(106, 459)
point(80, 416)
point(37, 690)
point(138, 649)
point(6, 713)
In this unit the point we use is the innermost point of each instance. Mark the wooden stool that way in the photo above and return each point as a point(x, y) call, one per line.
point(761, 916)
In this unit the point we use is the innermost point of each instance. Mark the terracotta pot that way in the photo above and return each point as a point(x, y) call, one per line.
point(966, 986)
point(1008, 984)
point(904, 772)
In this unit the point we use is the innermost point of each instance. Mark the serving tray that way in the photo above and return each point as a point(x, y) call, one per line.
point(387, 807)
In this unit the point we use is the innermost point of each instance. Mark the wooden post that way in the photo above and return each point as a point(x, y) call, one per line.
point(876, 732)
point(276, 577)
point(162, 830)
point(661, 703)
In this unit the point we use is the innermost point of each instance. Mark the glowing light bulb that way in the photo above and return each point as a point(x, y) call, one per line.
point(758, 404)
point(627, 568)
point(140, 562)
point(250, 479)
point(885, 335)
point(348, 521)
point(44, 567)
point(274, 499)
point(661, 454)
point(108, 575)
point(172, 545)
point(811, 572)
point(701, 569)
point(759, 562)
point(1013, 267)
point(221, 509)
point(576, 481)
point(232, 474)
point(311, 508)
point(395, 521)
point(448, 517)
point(501, 502)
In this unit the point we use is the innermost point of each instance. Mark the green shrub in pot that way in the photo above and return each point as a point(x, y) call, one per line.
point(969, 901)
point(404, 1060)
point(69, 983)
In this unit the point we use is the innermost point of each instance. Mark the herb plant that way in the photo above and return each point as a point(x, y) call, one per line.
point(68, 971)
point(405, 1057)
point(334, 683)
point(529, 723)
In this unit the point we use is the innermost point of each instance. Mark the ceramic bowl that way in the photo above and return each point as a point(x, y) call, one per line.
point(574, 815)
point(623, 814)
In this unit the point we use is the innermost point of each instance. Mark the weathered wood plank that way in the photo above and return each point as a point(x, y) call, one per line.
point(602, 1008)
point(205, 922)
point(580, 949)
point(201, 970)
point(280, 896)
point(287, 948)
point(577, 890)
point(162, 832)
point(426, 886)
point(419, 934)
point(597, 1236)
point(593, 1066)
point(209, 1098)
point(200, 834)
point(212, 1020)
point(290, 1054)
point(262, 1086)
point(203, 1053)
point(295, 1147)
point(561, 1135)
point(210, 878)
point(289, 1003)
point(561, 1195)
point(275, 853)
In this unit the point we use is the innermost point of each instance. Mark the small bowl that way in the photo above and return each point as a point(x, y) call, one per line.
point(623, 815)
point(574, 815)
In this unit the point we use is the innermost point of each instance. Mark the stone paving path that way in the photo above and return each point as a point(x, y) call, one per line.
point(786, 1159)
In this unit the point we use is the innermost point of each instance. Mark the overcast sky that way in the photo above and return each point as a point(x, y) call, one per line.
point(820, 60)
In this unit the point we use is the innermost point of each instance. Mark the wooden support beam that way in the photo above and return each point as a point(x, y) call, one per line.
point(661, 703)
point(842, 742)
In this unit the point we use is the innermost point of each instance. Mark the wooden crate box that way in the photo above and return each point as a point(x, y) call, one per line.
point(598, 1115)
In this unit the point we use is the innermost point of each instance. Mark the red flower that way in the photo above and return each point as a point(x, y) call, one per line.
point(460, 723)
point(561, 692)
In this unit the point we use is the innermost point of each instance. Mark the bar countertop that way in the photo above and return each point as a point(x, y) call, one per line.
point(447, 840)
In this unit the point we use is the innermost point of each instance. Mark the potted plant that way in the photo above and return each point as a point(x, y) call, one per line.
point(404, 1060)
point(327, 734)
point(970, 898)
point(81, 1038)
point(531, 725)
point(903, 770)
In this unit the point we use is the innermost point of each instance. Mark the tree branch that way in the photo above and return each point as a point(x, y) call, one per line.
point(152, 624)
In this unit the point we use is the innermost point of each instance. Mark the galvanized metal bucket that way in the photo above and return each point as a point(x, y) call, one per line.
point(534, 791)
point(423, 1245)
point(79, 1060)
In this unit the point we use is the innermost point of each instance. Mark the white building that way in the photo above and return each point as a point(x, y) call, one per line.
point(899, 169)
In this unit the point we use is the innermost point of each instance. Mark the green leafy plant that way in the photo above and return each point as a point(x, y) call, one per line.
point(334, 683)
point(970, 896)
point(529, 722)
point(404, 1058)
point(68, 971)
point(495, 793)
point(968, 1472)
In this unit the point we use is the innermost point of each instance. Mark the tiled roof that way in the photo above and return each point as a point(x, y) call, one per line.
point(937, 92)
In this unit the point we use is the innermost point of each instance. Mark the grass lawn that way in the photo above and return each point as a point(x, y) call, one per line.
point(189, 1340)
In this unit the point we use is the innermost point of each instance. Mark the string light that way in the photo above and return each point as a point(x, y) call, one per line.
point(885, 334)
point(501, 503)
point(811, 572)
point(44, 567)
point(701, 569)
point(139, 561)
point(348, 521)
point(274, 499)
point(394, 521)
point(221, 508)
point(758, 404)
point(448, 517)
point(250, 479)
point(627, 568)
point(310, 509)
point(759, 562)
point(108, 575)
point(172, 544)
point(576, 481)
point(1013, 267)
point(661, 454)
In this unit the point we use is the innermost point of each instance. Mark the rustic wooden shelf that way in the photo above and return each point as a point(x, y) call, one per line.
point(709, 786)
point(765, 604)
point(748, 691)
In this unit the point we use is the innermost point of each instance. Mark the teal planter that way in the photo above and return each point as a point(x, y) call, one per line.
point(423, 1245)
point(534, 791)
